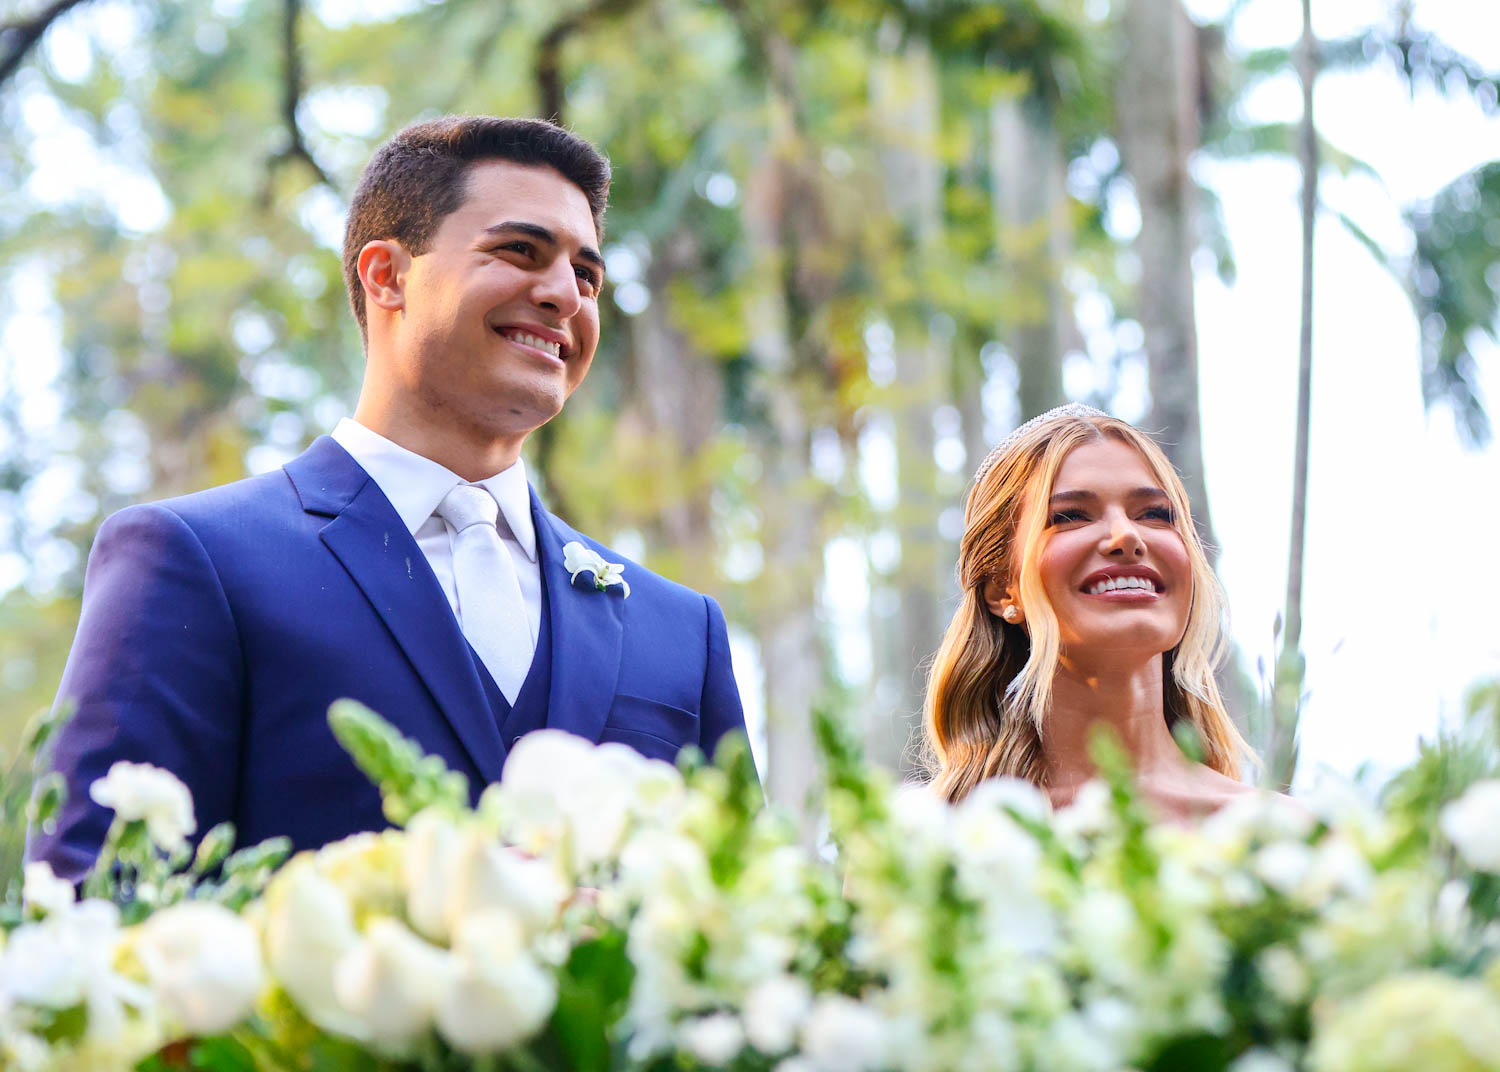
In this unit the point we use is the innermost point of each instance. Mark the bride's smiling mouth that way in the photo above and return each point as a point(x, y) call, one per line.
point(1124, 584)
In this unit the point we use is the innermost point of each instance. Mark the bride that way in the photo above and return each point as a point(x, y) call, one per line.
point(1087, 601)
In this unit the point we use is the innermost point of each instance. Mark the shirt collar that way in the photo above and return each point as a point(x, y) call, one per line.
point(415, 485)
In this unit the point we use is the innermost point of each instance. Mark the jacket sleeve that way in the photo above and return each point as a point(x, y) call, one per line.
point(720, 711)
point(154, 676)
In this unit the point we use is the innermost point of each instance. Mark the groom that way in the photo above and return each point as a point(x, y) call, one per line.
point(404, 560)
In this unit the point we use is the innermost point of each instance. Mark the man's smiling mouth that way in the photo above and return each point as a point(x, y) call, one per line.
point(525, 338)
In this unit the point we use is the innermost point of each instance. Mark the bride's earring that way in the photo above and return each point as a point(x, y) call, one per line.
point(1010, 613)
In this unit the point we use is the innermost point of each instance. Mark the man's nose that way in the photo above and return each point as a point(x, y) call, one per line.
point(555, 288)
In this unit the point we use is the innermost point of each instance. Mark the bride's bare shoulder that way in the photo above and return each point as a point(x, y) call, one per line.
point(1196, 793)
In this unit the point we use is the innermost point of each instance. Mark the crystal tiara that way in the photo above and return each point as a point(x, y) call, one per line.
point(1072, 409)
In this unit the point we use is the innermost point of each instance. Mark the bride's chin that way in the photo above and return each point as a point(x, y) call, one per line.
point(1116, 647)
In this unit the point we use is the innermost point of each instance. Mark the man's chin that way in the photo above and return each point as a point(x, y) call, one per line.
point(523, 412)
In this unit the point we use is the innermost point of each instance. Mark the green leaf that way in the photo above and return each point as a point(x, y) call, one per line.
point(1191, 1053)
point(592, 991)
point(46, 803)
point(213, 848)
point(221, 1055)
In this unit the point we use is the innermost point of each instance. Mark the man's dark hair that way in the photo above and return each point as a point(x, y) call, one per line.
point(417, 178)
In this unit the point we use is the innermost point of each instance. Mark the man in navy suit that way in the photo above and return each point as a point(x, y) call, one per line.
point(218, 627)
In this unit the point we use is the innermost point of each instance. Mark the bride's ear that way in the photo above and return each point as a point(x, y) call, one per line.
point(1001, 600)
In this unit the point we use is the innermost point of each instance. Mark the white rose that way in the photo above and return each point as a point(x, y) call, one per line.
point(715, 1039)
point(1344, 806)
point(1270, 816)
point(496, 995)
point(1108, 930)
point(1113, 1020)
point(917, 810)
point(1339, 867)
point(1009, 794)
point(309, 928)
point(1284, 865)
point(391, 981)
point(1259, 1060)
point(1283, 973)
point(44, 890)
point(994, 843)
point(37, 970)
point(545, 773)
point(1073, 1043)
point(559, 789)
point(431, 849)
point(842, 1035)
point(774, 1011)
point(204, 965)
point(1091, 811)
point(659, 863)
point(141, 791)
point(1472, 823)
point(486, 875)
point(68, 960)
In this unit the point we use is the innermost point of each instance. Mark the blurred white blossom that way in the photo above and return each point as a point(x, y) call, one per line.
point(139, 791)
point(1472, 823)
point(203, 963)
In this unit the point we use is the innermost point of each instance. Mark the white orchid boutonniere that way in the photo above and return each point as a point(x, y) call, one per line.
point(578, 558)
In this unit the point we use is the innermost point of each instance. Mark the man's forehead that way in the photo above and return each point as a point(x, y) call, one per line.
point(502, 192)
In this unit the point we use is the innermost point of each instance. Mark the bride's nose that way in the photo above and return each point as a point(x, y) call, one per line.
point(1124, 539)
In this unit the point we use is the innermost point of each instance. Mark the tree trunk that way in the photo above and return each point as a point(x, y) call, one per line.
point(1290, 665)
point(1032, 237)
point(678, 393)
point(904, 100)
point(779, 215)
point(1158, 131)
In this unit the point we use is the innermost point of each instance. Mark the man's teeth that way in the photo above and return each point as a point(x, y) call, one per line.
point(1114, 583)
point(526, 339)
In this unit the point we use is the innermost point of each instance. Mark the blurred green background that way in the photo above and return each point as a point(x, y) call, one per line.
point(850, 244)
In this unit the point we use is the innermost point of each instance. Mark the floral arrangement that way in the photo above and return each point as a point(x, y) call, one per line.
point(598, 910)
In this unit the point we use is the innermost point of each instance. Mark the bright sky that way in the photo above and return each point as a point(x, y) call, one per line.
point(1402, 522)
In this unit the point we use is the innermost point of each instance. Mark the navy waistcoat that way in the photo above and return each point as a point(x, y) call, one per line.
point(530, 709)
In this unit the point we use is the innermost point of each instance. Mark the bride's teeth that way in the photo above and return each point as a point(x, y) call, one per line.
point(1112, 584)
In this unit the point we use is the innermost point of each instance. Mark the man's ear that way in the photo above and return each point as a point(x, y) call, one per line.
point(382, 268)
point(998, 597)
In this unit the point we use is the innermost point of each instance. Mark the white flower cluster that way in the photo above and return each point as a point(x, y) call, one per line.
point(994, 935)
point(381, 938)
point(79, 991)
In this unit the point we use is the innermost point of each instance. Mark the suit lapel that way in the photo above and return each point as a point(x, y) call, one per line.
point(369, 539)
point(587, 629)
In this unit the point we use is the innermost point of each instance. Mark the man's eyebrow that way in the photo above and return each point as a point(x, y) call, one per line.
point(541, 234)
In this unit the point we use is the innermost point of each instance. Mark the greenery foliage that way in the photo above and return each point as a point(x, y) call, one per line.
point(601, 911)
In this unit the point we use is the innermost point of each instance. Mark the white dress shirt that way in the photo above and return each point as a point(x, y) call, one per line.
point(415, 485)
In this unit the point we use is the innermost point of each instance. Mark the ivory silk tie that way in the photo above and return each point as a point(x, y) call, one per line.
point(491, 611)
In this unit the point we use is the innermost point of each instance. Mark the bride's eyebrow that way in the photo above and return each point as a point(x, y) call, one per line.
point(1072, 496)
point(1088, 496)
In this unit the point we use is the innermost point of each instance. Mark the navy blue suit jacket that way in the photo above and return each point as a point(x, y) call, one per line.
point(218, 627)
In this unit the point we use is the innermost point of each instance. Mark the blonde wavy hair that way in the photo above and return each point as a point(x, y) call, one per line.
point(990, 687)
